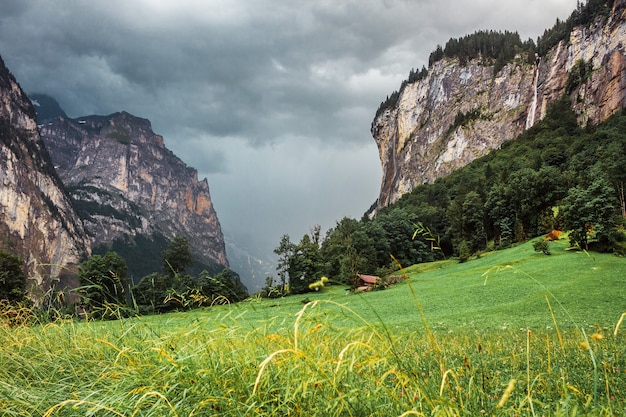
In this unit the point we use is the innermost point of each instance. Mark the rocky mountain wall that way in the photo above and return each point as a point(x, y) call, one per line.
point(125, 182)
point(37, 220)
point(458, 113)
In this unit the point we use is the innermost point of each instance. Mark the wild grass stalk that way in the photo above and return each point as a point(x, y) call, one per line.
point(588, 347)
point(619, 323)
point(431, 336)
point(556, 325)
point(528, 383)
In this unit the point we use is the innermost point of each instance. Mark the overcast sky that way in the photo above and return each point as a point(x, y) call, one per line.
point(271, 100)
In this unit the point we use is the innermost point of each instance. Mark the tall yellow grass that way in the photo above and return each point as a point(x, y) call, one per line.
point(322, 362)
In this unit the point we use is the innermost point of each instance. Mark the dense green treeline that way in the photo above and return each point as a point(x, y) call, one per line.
point(583, 15)
point(143, 253)
point(555, 176)
point(496, 47)
point(182, 286)
point(106, 289)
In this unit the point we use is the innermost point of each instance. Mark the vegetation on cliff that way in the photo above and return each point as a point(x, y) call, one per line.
point(497, 48)
point(584, 14)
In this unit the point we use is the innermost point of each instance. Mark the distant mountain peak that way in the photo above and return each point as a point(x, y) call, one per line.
point(128, 187)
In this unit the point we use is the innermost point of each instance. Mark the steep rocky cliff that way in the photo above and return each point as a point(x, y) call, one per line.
point(37, 221)
point(127, 186)
point(459, 112)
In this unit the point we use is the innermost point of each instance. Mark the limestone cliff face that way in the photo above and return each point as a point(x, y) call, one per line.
point(37, 220)
point(419, 141)
point(125, 182)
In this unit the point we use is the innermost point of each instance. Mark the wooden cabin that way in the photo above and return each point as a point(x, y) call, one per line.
point(366, 282)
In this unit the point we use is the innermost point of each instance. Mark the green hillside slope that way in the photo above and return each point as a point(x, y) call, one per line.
point(512, 288)
point(477, 338)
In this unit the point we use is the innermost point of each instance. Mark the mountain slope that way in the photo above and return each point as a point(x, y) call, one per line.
point(459, 111)
point(129, 188)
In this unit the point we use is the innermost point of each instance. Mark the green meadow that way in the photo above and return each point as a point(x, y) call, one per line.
point(512, 333)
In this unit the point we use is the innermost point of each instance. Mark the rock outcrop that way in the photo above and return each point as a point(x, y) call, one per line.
point(126, 183)
point(457, 112)
point(37, 220)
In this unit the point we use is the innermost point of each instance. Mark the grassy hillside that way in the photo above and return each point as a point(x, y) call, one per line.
point(476, 338)
point(508, 288)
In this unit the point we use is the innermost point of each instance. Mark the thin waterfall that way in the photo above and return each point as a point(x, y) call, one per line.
point(530, 119)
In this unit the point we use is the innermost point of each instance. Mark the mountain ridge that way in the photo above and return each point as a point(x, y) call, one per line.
point(125, 182)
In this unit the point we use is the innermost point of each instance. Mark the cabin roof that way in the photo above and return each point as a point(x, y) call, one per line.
point(368, 279)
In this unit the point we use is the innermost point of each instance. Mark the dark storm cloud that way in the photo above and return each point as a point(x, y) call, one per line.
point(271, 99)
point(230, 68)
